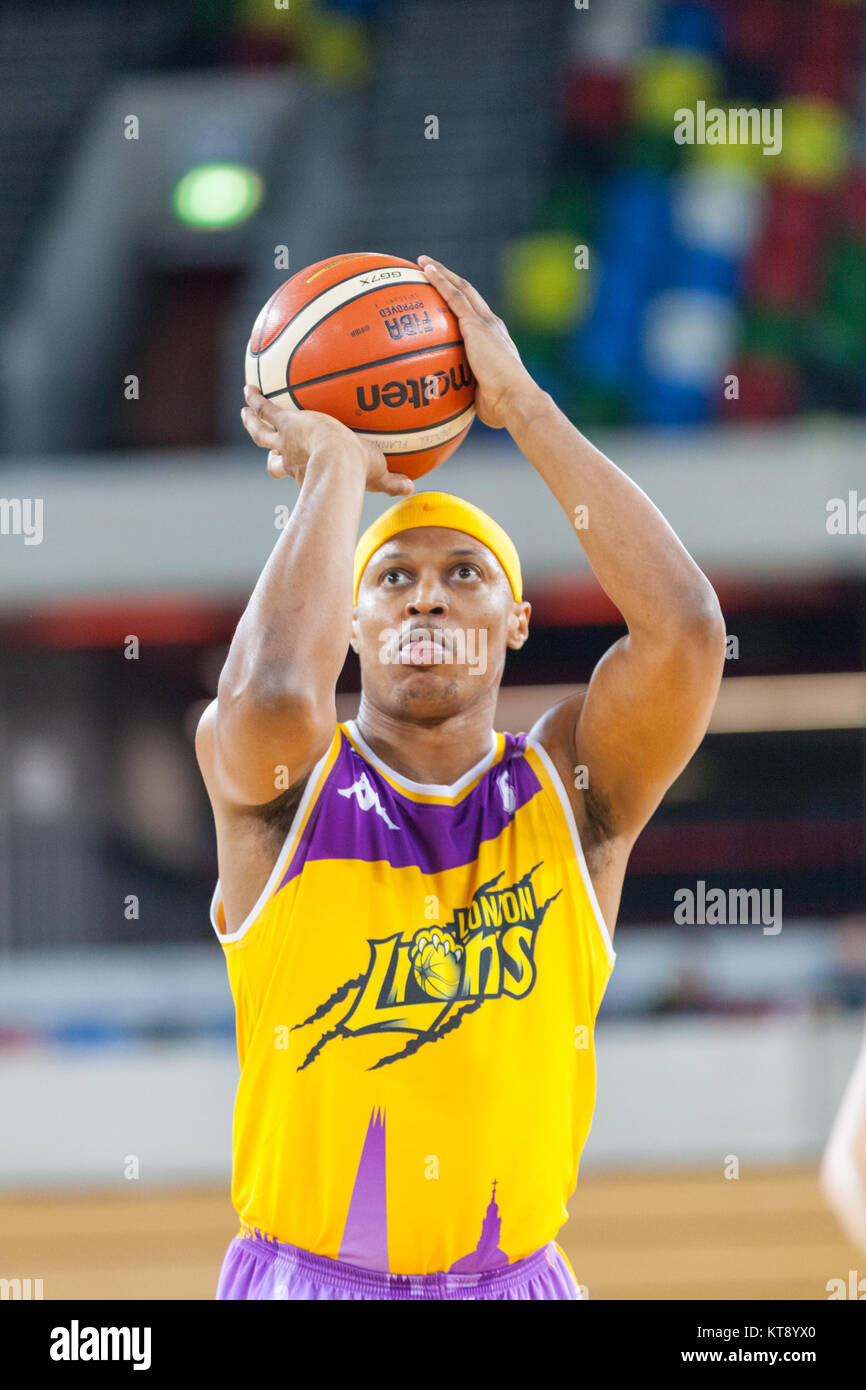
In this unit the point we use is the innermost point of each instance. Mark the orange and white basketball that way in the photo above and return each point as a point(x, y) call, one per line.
point(366, 338)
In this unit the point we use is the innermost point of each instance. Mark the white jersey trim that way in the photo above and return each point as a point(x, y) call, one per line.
point(424, 788)
point(575, 837)
point(286, 851)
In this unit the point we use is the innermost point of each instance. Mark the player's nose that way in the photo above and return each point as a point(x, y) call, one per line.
point(427, 596)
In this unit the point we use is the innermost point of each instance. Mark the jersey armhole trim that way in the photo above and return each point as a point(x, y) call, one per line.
point(287, 849)
point(562, 794)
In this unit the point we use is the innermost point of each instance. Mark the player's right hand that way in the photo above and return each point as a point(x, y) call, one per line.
point(293, 436)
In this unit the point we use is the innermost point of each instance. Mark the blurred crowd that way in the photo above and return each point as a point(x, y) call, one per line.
point(705, 261)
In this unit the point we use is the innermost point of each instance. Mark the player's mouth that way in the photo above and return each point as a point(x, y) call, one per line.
point(425, 647)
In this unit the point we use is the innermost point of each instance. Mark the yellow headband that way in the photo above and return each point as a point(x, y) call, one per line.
point(439, 509)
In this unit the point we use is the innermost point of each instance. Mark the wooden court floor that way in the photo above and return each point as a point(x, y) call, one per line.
point(655, 1236)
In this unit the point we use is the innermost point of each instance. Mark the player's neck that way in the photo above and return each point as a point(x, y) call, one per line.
point(431, 753)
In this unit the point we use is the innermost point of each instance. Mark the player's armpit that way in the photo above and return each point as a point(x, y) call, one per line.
point(252, 753)
point(646, 710)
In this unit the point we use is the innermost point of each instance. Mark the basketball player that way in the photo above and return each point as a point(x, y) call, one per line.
point(417, 912)
point(843, 1164)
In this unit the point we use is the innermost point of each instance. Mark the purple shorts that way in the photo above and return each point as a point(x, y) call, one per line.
point(259, 1267)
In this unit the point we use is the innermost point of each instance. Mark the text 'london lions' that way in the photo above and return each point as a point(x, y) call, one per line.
point(425, 985)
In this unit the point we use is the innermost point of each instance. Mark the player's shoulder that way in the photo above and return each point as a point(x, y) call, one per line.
point(555, 728)
point(556, 732)
point(204, 738)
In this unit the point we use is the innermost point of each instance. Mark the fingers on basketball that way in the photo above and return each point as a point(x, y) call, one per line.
point(461, 290)
point(259, 430)
point(277, 465)
point(393, 484)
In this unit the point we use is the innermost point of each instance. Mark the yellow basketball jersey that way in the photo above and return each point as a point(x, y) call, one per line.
point(416, 991)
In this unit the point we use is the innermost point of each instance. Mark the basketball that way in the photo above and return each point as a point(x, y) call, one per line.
point(436, 964)
point(367, 339)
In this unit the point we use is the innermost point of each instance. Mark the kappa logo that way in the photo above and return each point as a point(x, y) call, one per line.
point(506, 791)
point(368, 798)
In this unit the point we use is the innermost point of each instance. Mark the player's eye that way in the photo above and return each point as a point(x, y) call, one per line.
point(392, 577)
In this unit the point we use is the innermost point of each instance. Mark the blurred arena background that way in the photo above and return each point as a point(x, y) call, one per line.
point(698, 309)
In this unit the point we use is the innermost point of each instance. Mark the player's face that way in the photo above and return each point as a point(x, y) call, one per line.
point(434, 619)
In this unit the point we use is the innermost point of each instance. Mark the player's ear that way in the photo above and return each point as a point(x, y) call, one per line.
point(353, 641)
point(518, 625)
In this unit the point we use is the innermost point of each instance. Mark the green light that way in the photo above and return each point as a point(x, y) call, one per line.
point(217, 195)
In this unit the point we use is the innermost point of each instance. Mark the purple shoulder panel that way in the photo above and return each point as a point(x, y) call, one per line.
point(359, 815)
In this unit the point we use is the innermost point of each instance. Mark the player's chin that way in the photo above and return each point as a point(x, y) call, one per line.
point(433, 674)
point(429, 689)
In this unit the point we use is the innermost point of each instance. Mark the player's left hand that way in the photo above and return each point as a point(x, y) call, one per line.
point(501, 378)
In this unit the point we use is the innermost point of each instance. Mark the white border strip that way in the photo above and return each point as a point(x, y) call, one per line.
point(578, 847)
point(286, 851)
point(427, 788)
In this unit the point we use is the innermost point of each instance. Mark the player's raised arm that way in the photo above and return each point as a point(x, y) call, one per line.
point(275, 702)
point(650, 698)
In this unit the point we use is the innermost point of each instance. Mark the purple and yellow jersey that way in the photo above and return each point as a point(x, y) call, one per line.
point(416, 991)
